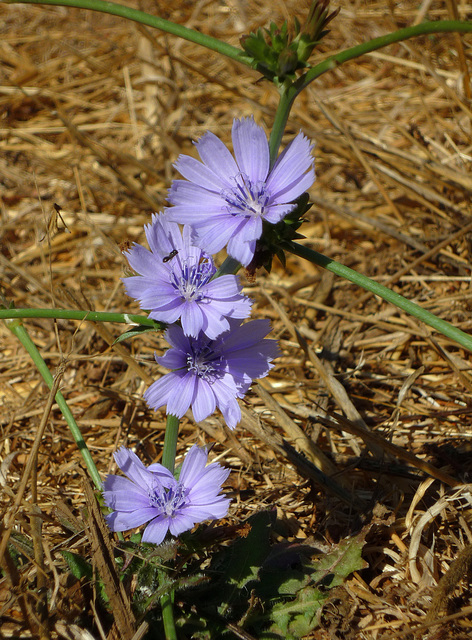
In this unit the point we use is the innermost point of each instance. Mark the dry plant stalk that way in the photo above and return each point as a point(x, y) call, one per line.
point(105, 565)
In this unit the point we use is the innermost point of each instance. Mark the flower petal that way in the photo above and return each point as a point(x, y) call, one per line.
point(123, 495)
point(192, 319)
point(132, 466)
point(191, 201)
point(217, 157)
point(158, 393)
point(217, 231)
point(292, 167)
point(217, 509)
point(163, 235)
point(214, 322)
point(204, 402)
point(194, 171)
point(277, 212)
point(251, 149)
point(231, 413)
point(156, 530)
point(180, 523)
point(193, 465)
point(241, 251)
point(182, 395)
point(124, 520)
point(143, 261)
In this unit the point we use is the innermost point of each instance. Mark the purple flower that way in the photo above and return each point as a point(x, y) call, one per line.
point(176, 282)
point(153, 495)
point(226, 200)
point(212, 373)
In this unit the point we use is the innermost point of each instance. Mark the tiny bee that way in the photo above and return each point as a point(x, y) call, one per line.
point(171, 255)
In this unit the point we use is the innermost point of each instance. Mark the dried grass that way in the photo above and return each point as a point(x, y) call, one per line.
point(94, 110)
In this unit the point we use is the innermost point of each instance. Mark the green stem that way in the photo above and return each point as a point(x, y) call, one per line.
point(168, 616)
point(287, 96)
point(288, 92)
point(413, 309)
point(170, 442)
point(73, 314)
point(425, 28)
point(20, 332)
point(230, 265)
point(168, 461)
point(151, 21)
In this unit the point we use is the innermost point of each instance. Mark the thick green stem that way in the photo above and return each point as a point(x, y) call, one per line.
point(20, 332)
point(168, 616)
point(151, 21)
point(74, 314)
point(366, 283)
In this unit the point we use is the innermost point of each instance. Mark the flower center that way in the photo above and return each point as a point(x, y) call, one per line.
point(168, 501)
point(205, 362)
point(192, 278)
point(246, 198)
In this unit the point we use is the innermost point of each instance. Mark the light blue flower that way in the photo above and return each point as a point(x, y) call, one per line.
point(212, 373)
point(176, 282)
point(226, 199)
point(152, 494)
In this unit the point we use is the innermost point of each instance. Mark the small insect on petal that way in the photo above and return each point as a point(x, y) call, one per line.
point(171, 255)
point(182, 288)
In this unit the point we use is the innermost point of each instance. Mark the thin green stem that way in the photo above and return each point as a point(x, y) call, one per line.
point(20, 332)
point(168, 616)
point(74, 314)
point(366, 283)
point(170, 442)
point(168, 461)
point(425, 28)
point(287, 96)
point(151, 21)
point(230, 265)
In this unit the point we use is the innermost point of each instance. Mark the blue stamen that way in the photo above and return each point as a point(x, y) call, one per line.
point(246, 198)
point(192, 278)
point(170, 500)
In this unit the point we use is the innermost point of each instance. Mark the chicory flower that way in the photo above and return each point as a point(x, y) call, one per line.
point(175, 282)
point(226, 199)
point(152, 494)
point(212, 373)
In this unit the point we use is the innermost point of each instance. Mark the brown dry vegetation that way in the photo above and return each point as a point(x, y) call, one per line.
point(93, 112)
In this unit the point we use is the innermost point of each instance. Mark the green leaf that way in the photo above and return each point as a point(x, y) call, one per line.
point(286, 570)
point(307, 573)
point(20, 548)
point(334, 567)
point(235, 568)
point(297, 618)
point(79, 567)
point(248, 554)
point(137, 331)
